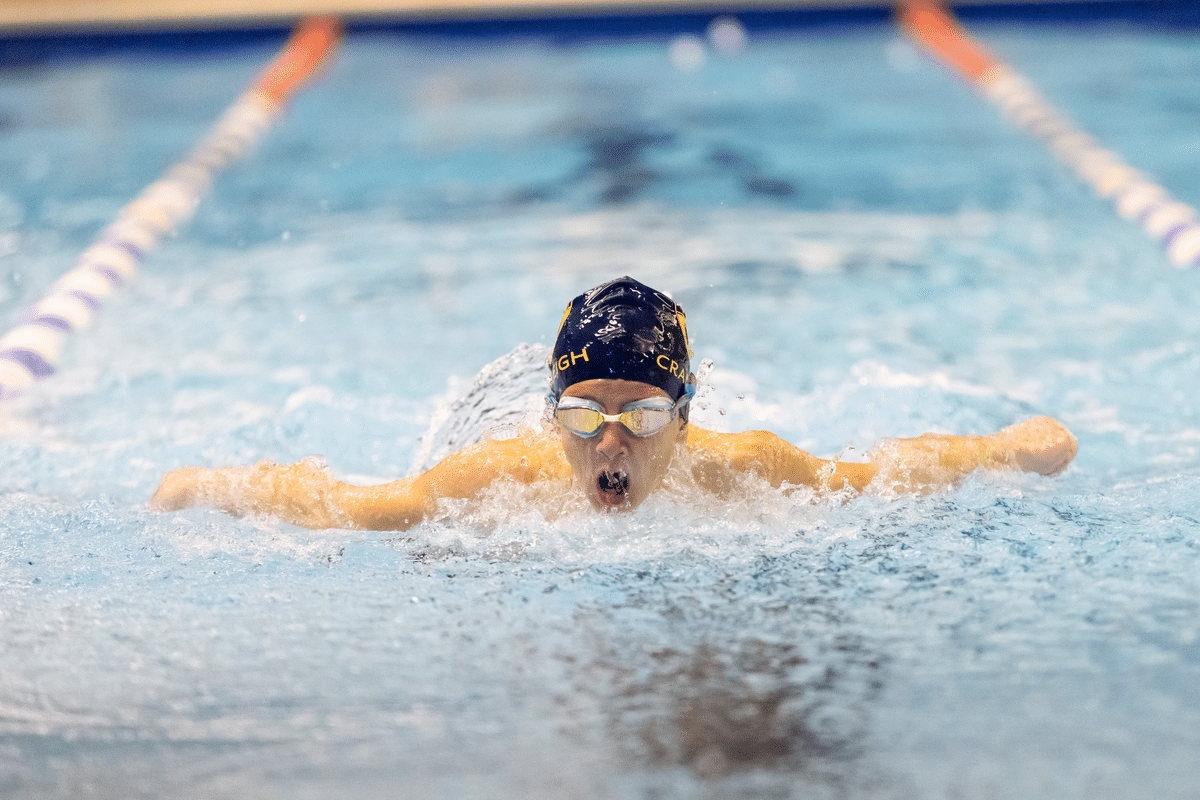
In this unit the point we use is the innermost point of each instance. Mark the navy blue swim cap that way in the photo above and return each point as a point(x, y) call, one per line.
point(622, 330)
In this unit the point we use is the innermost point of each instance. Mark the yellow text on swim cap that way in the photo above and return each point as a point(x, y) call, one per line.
point(563, 362)
point(673, 367)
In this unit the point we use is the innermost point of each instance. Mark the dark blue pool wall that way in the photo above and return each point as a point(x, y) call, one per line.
point(28, 48)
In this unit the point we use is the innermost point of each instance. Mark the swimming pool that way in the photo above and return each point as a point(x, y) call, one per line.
point(863, 249)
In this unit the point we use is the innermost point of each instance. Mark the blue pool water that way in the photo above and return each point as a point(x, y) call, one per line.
point(864, 250)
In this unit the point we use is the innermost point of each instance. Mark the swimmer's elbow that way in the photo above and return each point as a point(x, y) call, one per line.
point(395, 506)
point(765, 454)
point(855, 475)
point(790, 465)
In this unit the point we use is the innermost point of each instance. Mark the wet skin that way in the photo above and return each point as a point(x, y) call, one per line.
point(600, 462)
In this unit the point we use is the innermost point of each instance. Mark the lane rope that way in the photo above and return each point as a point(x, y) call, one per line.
point(31, 350)
point(1136, 196)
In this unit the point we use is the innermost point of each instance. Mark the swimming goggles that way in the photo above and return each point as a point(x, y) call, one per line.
point(641, 417)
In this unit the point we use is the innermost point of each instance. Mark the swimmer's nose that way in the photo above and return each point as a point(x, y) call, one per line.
point(611, 442)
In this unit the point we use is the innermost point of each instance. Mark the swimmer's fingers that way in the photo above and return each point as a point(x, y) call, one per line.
point(1040, 445)
point(177, 490)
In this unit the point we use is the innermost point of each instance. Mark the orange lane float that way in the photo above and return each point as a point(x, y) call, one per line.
point(1135, 196)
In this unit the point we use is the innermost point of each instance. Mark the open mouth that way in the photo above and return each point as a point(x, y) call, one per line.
point(613, 486)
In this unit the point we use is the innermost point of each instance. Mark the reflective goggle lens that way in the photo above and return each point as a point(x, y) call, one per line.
point(644, 418)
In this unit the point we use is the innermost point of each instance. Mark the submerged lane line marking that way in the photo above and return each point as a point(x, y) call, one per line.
point(1136, 197)
point(30, 351)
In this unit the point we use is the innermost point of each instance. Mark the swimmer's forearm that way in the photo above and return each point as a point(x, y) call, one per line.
point(935, 461)
point(932, 461)
point(297, 493)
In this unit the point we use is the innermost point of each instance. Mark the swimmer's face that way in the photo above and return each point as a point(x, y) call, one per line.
point(616, 469)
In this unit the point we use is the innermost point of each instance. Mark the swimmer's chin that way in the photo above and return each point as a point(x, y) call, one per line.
point(608, 505)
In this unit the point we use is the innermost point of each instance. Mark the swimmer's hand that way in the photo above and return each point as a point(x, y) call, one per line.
point(1039, 445)
point(178, 489)
point(302, 493)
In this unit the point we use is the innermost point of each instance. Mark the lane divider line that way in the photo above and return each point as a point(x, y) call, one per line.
point(1135, 196)
point(31, 350)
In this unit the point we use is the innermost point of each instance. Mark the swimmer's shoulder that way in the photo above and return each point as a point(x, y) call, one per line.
point(704, 442)
point(719, 461)
point(741, 452)
point(715, 456)
point(532, 456)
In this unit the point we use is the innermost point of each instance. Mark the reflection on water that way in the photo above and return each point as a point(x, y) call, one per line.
point(756, 705)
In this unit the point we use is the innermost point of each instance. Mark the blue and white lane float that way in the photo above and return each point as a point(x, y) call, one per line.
point(1136, 197)
point(31, 350)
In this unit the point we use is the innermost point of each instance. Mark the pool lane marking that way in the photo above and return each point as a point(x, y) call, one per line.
point(30, 351)
point(1136, 197)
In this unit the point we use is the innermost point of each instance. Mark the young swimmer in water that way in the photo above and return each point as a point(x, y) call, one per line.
point(620, 386)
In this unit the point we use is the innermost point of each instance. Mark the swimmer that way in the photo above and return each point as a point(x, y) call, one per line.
point(621, 382)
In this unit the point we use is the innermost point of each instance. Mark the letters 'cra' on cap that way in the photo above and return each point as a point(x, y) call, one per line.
point(622, 330)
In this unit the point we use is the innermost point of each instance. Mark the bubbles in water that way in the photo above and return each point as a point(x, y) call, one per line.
point(502, 432)
point(703, 387)
point(508, 396)
point(316, 462)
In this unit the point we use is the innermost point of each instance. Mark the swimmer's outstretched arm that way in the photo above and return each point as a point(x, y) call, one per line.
point(307, 494)
point(923, 464)
point(936, 461)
